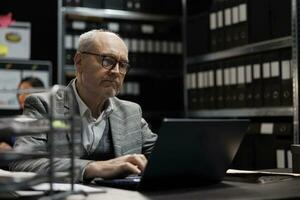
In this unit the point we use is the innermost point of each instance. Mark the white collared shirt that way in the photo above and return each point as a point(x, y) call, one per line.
point(92, 128)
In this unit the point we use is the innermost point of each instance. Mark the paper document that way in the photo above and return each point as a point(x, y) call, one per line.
point(4, 173)
point(66, 187)
point(236, 171)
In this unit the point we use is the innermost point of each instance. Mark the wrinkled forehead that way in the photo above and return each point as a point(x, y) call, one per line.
point(110, 43)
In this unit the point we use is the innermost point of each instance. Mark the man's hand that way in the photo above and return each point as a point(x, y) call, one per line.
point(4, 146)
point(121, 166)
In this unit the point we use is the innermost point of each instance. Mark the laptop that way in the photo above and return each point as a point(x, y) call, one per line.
point(188, 152)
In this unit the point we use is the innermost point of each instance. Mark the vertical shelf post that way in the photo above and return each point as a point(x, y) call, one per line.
point(184, 55)
point(295, 63)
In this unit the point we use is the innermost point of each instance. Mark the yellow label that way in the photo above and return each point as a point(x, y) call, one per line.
point(3, 50)
point(13, 37)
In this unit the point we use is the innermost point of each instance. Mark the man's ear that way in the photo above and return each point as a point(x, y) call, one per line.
point(77, 62)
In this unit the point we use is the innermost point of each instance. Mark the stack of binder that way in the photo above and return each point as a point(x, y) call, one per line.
point(237, 22)
point(261, 80)
point(253, 154)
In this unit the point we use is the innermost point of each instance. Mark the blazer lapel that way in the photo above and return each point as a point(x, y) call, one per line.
point(116, 127)
point(68, 107)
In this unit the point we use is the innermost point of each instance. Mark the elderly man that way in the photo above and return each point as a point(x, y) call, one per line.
point(115, 138)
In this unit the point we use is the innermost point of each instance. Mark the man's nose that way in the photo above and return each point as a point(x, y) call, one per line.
point(116, 68)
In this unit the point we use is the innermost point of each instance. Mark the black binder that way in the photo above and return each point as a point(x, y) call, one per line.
point(280, 13)
point(242, 28)
point(249, 81)
point(113, 4)
point(283, 130)
point(211, 86)
point(220, 25)
point(258, 20)
point(226, 88)
point(192, 87)
point(271, 79)
point(265, 157)
point(213, 26)
point(219, 76)
point(241, 83)
point(228, 33)
point(286, 78)
point(257, 81)
point(92, 3)
point(197, 38)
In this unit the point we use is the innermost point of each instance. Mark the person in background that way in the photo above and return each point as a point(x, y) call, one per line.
point(116, 140)
point(28, 83)
point(6, 143)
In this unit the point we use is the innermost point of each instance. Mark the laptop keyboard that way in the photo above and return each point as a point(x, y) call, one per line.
point(129, 182)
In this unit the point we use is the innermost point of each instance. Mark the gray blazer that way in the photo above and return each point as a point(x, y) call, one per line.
point(130, 134)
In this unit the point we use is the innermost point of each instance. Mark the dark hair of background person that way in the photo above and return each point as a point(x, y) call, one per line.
point(33, 81)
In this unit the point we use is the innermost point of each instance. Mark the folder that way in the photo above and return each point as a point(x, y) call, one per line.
point(200, 88)
point(283, 130)
point(249, 81)
point(280, 14)
point(271, 79)
point(69, 56)
point(282, 152)
point(227, 89)
point(213, 26)
point(219, 95)
point(198, 35)
point(228, 33)
point(211, 87)
point(258, 20)
point(206, 87)
point(257, 81)
point(241, 83)
point(113, 4)
point(92, 3)
point(265, 147)
point(192, 87)
point(243, 28)
point(235, 24)
point(276, 82)
point(220, 26)
point(286, 78)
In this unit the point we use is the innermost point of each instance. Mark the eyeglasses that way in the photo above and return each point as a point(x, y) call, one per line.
point(109, 62)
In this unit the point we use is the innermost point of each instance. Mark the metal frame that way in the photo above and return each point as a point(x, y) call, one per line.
point(295, 63)
point(244, 50)
point(245, 112)
point(60, 43)
point(259, 47)
point(32, 62)
point(184, 56)
point(98, 13)
point(114, 14)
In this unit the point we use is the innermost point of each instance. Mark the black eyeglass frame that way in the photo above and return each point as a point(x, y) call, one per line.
point(102, 56)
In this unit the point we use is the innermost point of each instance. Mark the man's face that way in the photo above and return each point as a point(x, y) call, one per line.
point(22, 96)
point(92, 76)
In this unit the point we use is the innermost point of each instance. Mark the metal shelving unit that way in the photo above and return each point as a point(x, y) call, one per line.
point(295, 63)
point(69, 69)
point(243, 50)
point(259, 47)
point(82, 12)
point(245, 112)
point(114, 14)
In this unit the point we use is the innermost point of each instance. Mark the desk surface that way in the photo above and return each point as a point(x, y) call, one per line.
point(225, 190)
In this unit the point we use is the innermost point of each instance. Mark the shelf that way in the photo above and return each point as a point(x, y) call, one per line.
point(115, 14)
point(70, 70)
point(245, 112)
point(244, 50)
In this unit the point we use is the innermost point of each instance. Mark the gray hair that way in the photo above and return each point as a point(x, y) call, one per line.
point(86, 40)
